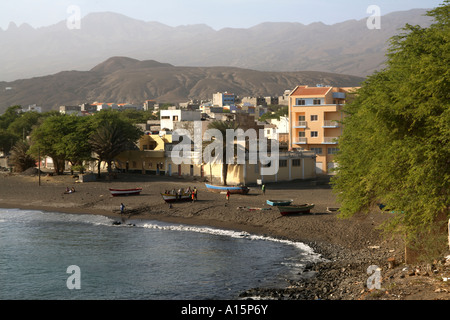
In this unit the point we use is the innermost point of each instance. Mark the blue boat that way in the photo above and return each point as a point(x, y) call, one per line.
point(276, 203)
point(232, 189)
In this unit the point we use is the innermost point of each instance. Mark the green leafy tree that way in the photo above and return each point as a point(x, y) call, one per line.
point(76, 143)
point(7, 141)
point(275, 113)
point(394, 148)
point(11, 114)
point(24, 123)
point(137, 116)
point(62, 138)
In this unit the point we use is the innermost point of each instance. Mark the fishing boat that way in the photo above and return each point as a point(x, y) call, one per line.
point(302, 208)
point(169, 198)
point(279, 202)
point(232, 189)
point(125, 192)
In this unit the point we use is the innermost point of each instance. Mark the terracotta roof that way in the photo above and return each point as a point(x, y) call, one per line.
point(310, 91)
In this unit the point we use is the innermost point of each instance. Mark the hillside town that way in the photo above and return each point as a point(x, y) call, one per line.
point(160, 181)
point(306, 126)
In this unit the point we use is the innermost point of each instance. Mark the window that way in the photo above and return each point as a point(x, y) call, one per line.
point(314, 134)
point(165, 117)
point(317, 101)
point(317, 150)
point(301, 118)
point(314, 117)
point(301, 134)
point(296, 162)
point(333, 150)
point(267, 165)
point(283, 163)
point(300, 102)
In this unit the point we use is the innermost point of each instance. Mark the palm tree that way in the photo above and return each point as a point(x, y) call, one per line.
point(108, 141)
point(20, 158)
point(223, 126)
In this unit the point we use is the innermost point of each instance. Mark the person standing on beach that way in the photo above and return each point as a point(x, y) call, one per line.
point(195, 192)
point(263, 188)
point(228, 195)
point(122, 208)
point(193, 196)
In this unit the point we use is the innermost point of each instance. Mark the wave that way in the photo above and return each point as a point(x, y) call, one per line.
point(18, 214)
point(235, 234)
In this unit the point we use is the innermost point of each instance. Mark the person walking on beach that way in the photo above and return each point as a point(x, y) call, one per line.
point(263, 188)
point(122, 208)
point(228, 195)
point(195, 192)
point(193, 196)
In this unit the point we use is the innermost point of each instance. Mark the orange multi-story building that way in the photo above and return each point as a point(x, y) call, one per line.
point(315, 114)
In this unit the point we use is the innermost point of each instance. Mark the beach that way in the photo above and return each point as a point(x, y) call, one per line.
point(348, 246)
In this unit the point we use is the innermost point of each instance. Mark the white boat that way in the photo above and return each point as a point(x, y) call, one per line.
point(176, 198)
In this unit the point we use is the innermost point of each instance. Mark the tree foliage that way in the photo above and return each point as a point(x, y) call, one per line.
point(50, 139)
point(20, 158)
point(222, 127)
point(395, 146)
point(275, 113)
point(113, 135)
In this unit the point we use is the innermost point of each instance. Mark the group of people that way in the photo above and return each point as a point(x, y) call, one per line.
point(178, 193)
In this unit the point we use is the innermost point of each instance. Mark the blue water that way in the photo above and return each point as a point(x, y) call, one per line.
point(150, 261)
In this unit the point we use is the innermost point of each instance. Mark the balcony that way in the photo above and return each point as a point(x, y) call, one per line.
point(331, 124)
point(330, 140)
point(339, 95)
point(299, 124)
point(299, 140)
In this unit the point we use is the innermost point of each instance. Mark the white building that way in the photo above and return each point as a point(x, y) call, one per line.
point(168, 117)
point(33, 108)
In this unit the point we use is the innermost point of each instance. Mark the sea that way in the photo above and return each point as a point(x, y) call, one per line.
point(59, 256)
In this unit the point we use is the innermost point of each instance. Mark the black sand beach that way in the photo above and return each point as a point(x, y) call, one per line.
point(349, 246)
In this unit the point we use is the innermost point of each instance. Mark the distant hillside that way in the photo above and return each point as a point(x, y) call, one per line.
point(122, 79)
point(348, 47)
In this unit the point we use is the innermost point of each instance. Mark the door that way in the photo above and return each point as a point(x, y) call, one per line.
point(319, 168)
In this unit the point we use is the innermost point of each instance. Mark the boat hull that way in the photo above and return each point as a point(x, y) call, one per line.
point(276, 203)
point(170, 198)
point(286, 210)
point(232, 189)
point(125, 192)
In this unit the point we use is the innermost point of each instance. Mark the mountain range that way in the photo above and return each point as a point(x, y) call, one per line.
point(348, 47)
point(195, 60)
point(127, 80)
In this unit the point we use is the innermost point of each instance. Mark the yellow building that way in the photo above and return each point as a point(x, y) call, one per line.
point(149, 159)
point(154, 157)
point(314, 120)
point(291, 166)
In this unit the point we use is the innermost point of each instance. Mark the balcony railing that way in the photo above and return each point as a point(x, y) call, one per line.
point(299, 140)
point(330, 124)
point(300, 124)
point(330, 140)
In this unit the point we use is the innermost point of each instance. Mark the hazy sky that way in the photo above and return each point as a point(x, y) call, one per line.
point(215, 13)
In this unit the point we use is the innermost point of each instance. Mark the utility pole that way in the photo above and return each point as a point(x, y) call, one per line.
point(39, 166)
